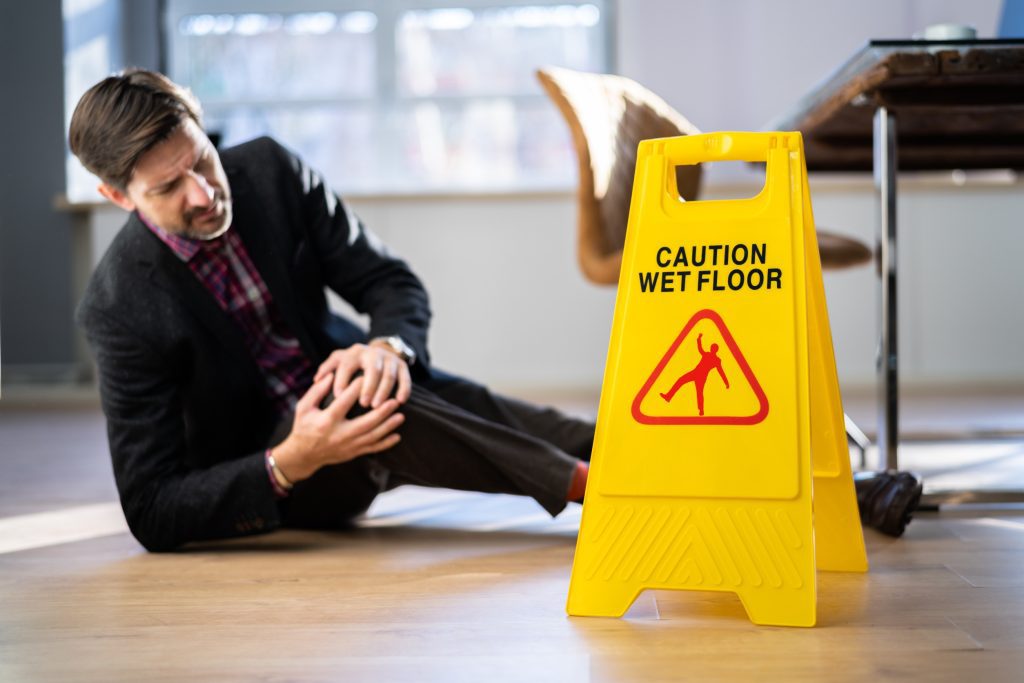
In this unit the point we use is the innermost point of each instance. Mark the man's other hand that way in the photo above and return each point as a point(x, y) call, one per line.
point(382, 370)
point(326, 436)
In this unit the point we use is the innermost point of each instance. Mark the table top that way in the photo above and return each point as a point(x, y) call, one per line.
point(957, 103)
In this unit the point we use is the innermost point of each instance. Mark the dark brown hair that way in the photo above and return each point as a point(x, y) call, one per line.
point(122, 117)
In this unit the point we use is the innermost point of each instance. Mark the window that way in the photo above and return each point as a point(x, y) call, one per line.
point(92, 50)
point(393, 96)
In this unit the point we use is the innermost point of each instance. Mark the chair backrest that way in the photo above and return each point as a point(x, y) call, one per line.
point(608, 116)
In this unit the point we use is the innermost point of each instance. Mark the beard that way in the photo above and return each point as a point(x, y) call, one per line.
point(208, 223)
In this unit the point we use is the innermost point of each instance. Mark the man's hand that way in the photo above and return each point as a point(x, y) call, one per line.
point(326, 436)
point(382, 369)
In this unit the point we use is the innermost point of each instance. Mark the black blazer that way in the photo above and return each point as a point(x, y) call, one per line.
point(188, 418)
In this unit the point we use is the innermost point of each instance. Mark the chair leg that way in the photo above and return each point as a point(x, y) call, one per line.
point(858, 438)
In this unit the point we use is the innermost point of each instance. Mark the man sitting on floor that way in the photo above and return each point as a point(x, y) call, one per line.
point(212, 332)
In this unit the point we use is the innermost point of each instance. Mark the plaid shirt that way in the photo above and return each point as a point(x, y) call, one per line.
point(223, 266)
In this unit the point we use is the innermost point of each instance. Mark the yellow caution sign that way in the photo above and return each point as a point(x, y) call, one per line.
point(719, 392)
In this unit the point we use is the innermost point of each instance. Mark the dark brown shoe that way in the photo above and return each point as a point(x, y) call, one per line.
point(887, 500)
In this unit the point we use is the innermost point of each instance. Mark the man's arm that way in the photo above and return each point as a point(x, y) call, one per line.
point(358, 267)
point(354, 263)
point(165, 502)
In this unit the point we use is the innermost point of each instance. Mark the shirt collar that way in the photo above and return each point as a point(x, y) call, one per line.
point(183, 247)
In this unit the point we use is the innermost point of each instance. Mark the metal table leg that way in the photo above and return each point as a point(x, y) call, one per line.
point(885, 170)
point(885, 189)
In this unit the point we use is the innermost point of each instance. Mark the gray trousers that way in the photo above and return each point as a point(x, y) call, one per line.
point(459, 435)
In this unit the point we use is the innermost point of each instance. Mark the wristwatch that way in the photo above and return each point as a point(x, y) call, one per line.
point(398, 345)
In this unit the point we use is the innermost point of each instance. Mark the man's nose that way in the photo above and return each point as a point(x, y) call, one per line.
point(200, 192)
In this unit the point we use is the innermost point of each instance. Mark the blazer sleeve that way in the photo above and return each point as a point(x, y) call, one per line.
point(358, 267)
point(165, 502)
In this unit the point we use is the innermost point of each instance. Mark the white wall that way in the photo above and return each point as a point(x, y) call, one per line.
point(511, 308)
point(510, 305)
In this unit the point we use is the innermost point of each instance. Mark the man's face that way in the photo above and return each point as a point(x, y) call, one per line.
point(179, 186)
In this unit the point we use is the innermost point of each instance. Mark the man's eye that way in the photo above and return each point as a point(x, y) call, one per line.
point(166, 189)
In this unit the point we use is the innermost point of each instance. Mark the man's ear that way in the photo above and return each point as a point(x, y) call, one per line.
point(116, 196)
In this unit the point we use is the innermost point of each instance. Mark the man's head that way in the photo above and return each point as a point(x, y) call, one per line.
point(141, 134)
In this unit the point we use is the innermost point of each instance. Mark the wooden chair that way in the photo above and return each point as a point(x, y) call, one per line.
point(608, 116)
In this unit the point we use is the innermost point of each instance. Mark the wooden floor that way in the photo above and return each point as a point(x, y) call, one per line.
point(444, 586)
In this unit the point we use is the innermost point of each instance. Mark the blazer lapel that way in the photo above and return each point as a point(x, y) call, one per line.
point(271, 254)
point(166, 271)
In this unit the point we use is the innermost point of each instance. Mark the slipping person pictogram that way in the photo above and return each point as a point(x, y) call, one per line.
point(709, 361)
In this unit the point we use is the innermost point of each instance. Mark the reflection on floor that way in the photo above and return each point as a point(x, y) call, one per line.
point(446, 586)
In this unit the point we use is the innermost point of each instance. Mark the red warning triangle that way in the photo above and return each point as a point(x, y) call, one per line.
point(708, 369)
